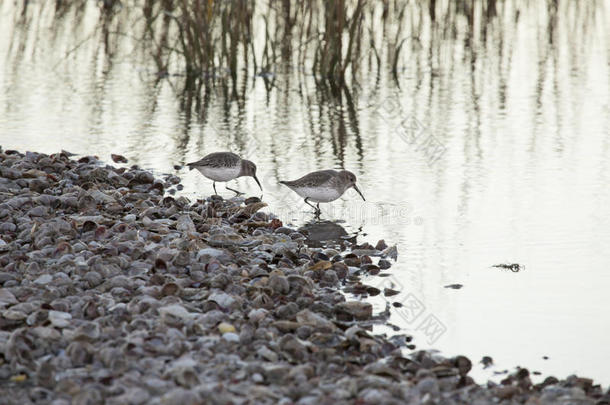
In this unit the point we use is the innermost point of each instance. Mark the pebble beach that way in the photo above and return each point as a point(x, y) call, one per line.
point(114, 290)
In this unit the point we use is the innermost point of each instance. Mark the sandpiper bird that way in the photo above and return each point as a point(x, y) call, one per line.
point(323, 186)
point(224, 166)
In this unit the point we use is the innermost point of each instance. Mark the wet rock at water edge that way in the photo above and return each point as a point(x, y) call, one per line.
point(487, 361)
point(514, 267)
point(118, 158)
point(358, 310)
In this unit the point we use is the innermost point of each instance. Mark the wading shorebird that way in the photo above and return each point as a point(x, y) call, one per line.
point(224, 166)
point(323, 186)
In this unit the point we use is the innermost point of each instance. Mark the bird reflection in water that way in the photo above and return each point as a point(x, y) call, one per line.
point(323, 233)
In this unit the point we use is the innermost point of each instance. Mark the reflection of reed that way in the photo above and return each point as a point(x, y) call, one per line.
point(330, 51)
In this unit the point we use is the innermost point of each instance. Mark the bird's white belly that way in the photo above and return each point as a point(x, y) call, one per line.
point(220, 173)
point(319, 194)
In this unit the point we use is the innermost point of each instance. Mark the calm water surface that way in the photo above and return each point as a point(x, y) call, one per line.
point(496, 152)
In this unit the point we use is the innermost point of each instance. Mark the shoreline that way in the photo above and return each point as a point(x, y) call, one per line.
point(113, 291)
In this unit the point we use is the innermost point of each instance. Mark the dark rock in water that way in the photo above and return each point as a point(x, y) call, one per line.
point(548, 381)
point(384, 264)
point(514, 267)
point(351, 260)
point(358, 310)
point(381, 245)
point(391, 252)
point(370, 269)
point(252, 200)
point(463, 364)
point(373, 291)
point(337, 258)
point(487, 361)
point(118, 158)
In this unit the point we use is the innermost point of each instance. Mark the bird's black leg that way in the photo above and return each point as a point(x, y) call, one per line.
point(235, 191)
point(214, 185)
point(317, 210)
point(307, 202)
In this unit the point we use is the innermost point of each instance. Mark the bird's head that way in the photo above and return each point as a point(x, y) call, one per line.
point(248, 168)
point(349, 180)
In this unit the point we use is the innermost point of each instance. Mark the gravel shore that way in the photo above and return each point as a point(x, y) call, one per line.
point(113, 291)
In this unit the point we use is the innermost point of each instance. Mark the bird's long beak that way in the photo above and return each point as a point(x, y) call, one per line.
point(359, 192)
point(257, 182)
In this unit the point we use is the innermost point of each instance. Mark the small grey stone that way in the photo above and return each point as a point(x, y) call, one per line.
point(129, 218)
point(39, 211)
point(44, 279)
point(231, 337)
point(428, 385)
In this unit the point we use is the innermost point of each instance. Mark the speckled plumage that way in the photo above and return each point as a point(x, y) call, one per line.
point(217, 159)
point(313, 179)
point(224, 166)
point(323, 185)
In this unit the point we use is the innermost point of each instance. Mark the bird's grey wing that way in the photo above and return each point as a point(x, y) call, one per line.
point(217, 159)
point(313, 179)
